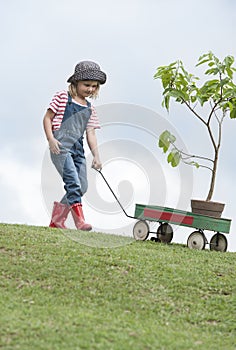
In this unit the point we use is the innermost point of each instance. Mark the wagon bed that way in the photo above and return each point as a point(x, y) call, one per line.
point(180, 217)
point(166, 216)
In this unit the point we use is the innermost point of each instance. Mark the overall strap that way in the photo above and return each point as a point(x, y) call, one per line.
point(69, 98)
point(88, 103)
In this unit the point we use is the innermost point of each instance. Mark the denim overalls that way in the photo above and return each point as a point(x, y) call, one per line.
point(71, 162)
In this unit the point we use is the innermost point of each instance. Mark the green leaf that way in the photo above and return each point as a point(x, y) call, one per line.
point(193, 98)
point(202, 62)
point(165, 139)
point(178, 94)
point(233, 113)
point(174, 158)
point(224, 81)
point(229, 72)
point(194, 164)
point(167, 102)
point(228, 61)
point(203, 56)
point(202, 98)
point(210, 64)
point(213, 71)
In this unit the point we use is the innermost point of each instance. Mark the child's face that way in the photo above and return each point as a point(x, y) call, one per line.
point(86, 88)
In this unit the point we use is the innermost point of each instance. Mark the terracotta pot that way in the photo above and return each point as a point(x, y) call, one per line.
point(210, 208)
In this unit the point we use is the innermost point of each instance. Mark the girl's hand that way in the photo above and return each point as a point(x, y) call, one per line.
point(96, 163)
point(54, 146)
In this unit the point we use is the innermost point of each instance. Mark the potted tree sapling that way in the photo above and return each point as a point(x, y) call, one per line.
point(210, 102)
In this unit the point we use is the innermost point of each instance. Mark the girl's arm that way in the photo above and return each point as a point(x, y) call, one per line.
point(92, 143)
point(47, 124)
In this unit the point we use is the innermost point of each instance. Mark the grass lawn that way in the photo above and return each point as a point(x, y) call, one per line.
point(71, 290)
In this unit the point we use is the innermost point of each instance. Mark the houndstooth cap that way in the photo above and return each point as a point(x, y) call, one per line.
point(88, 70)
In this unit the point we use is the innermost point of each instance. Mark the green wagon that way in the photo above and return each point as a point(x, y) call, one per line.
point(166, 216)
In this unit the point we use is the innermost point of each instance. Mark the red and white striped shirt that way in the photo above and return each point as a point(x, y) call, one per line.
point(58, 106)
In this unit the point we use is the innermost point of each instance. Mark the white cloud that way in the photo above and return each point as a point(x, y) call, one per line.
point(20, 192)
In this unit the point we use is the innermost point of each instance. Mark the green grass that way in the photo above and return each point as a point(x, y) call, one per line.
point(74, 290)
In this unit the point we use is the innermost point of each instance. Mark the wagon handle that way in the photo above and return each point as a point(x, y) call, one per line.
point(100, 172)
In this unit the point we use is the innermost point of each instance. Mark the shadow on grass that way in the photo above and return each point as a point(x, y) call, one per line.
point(98, 240)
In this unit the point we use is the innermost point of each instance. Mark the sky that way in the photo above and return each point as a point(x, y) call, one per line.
point(42, 41)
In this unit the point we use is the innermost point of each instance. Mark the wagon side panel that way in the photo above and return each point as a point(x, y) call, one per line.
point(182, 218)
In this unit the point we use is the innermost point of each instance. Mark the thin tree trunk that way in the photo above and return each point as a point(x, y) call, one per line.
point(213, 177)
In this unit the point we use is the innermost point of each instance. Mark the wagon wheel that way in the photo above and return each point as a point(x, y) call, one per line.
point(218, 242)
point(141, 230)
point(165, 233)
point(196, 240)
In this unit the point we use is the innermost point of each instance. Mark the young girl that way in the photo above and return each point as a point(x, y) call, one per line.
point(68, 117)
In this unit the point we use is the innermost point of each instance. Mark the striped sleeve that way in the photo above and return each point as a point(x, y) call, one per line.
point(93, 120)
point(58, 105)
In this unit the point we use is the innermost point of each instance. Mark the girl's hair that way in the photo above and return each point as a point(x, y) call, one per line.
point(73, 89)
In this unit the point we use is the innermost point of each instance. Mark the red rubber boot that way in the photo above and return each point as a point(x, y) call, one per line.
point(59, 215)
point(78, 216)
